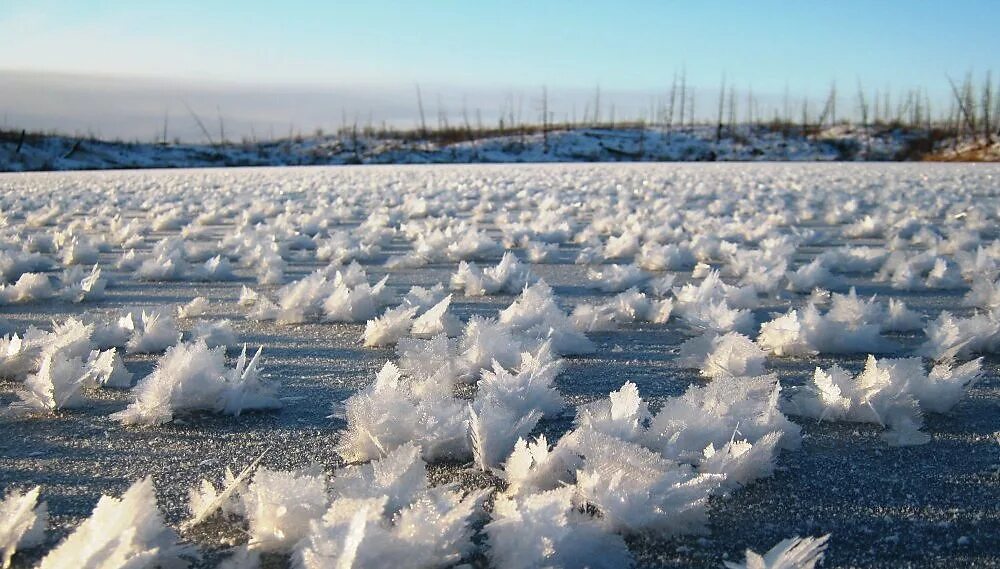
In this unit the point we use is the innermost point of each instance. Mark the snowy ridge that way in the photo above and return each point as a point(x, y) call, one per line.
point(696, 143)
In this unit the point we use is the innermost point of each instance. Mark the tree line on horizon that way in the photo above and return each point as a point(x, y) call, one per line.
point(970, 115)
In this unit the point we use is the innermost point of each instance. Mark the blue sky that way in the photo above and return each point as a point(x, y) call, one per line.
point(479, 46)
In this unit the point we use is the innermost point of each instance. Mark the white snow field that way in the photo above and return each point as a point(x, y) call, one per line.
point(651, 365)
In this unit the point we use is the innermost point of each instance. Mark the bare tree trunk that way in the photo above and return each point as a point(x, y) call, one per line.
point(833, 103)
point(927, 111)
point(468, 129)
point(691, 114)
point(963, 110)
point(683, 95)
point(732, 110)
point(722, 102)
point(200, 124)
point(996, 108)
point(642, 138)
point(354, 141)
point(805, 116)
point(222, 127)
point(830, 108)
point(670, 105)
point(864, 119)
point(442, 115)
point(968, 92)
point(955, 124)
point(786, 112)
point(597, 105)
point(545, 119)
point(987, 104)
point(875, 119)
point(420, 109)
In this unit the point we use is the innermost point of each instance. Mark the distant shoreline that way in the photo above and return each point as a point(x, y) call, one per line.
point(21, 151)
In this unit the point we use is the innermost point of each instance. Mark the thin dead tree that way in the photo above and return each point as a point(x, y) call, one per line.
point(683, 95)
point(732, 110)
point(420, 109)
point(996, 109)
point(968, 91)
point(222, 126)
point(927, 112)
point(597, 105)
point(722, 104)
point(954, 124)
point(909, 108)
point(517, 118)
point(691, 113)
point(786, 111)
point(805, 116)
point(545, 119)
point(987, 105)
point(200, 124)
point(876, 116)
point(863, 105)
point(442, 115)
point(829, 108)
point(670, 104)
point(511, 120)
point(963, 110)
point(833, 103)
point(466, 123)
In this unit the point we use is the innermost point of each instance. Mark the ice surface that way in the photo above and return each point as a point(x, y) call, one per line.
point(654, 305)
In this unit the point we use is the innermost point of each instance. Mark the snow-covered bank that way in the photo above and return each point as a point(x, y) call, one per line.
point(696, 144)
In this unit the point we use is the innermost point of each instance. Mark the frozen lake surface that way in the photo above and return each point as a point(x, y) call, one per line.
point(919, 489)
